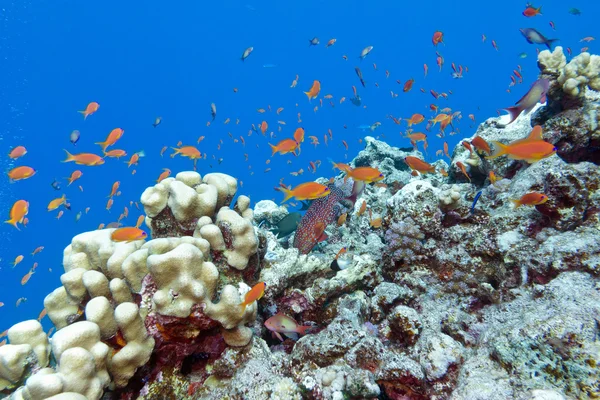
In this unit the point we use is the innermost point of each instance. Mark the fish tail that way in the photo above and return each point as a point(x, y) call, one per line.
point(516, 203)
point(308, 95)
point(69, 156)
point(549, 43)
point(500, 150)
point(13, 223)
point(302, 329)
point(514, 113)
point(85, 114)
point(288, 194)
point(273, 149)
point(103, 145)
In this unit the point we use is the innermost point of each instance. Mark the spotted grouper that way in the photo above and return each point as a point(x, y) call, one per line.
point(322, 212)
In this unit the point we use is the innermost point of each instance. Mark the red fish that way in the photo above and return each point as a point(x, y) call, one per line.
point(321, 213)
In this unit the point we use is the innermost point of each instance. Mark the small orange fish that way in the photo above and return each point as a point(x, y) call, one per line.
point(530, 199)
point(438, 37)
point(284, 146)
point(364, 174)
point(111, 139)
point(18, 212)
point(253, 295)
point(305, 191)
point(140, 220)
point(299, 135)
point(20, 173)
point(408, 85)
point(532, 12)
point(116, 153)
point(187, 151)
point(54, 204)
point(463, 169)
point(74, 176)
point(17, 152)
point(415, 119)
point(166, 172)
point(90, 109)
point(115, 188)
point(419, 165)
point(314, 90)
point(481, 145)
point(26, 278)
point(88, 159)
point(18, 259)
point(128, 234)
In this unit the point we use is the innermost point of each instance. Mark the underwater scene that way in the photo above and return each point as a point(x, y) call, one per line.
point(248, 199)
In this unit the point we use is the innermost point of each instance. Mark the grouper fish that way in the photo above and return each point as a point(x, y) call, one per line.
point(322, 212)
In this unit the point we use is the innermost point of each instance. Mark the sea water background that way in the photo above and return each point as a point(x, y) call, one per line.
point(141, 60)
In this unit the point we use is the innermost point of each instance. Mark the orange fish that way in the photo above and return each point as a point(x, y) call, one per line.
point(90, 109)
point(17, 152)
point(530, 199)
point(415, 119)
point(187, 151)
point(263, 127)
point(166, 172)
point(111, 139)
point(140, 220)
point(305, 191)
point(481, 145)
point(284, 146)
point(26, 278)
point(299, 135)
point(128, 234)
point(532, 12)
point(530, 149)
point(408, 85)
point(438, 37)
point(54, 204)
point(134, 160)
point(463, 169)
point(88, 159)
point(18, 259)
point(37, 250)
point(74, 176)
point(18, 212)
point(314, 90)
point(364, 174)
point(253, 295)
point(419, 165)
point(116, 153)
point(20, 173)
point(114, 189)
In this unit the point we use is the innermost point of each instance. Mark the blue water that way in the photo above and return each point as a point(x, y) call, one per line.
point(149, 59)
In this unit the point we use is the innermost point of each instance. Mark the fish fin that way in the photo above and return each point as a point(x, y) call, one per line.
point(534, 136)
point(500, 150)
point(273, 149)
point(84, 114)
point(514, 113)
point(303, 328)
point(549, 43)
point(291, 335)
point(288, 194)
point(69, 156)
point(516, 203)
point(103, 145)
point(13, 223)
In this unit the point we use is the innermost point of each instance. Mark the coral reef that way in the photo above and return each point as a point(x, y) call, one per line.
point(415, 294)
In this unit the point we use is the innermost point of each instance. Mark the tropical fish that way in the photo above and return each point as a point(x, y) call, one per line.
point(313, 42)
point(88, 159)
point(305, 191)
point(537, 92)
point(157, 122)
point(74, 137)
point(18, 212)
point(90, 109)
point(280, 323)
point(314, 90)
point(532, 12)
point(284, 146)
point(17, 152)
point(364, 174)
point(287, 225)
point(530, 199)
point(111, 139)
point(530, 149)
point(321, 213)
point(365, 52)
point(128, 234)
point(534, 37)
point(246, 53)
point(253, 295)
point(20, 173)
point(213, 110)
point(419, 165)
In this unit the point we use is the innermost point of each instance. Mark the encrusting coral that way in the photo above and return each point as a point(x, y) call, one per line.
point(122, 302)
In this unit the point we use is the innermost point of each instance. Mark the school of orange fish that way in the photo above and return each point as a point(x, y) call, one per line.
point(530, 149)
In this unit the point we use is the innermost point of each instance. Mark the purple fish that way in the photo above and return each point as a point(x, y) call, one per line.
point(536, 93)
point(321, 213)
point(533, 36)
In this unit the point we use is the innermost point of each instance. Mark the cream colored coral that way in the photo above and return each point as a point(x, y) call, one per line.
point(100, 311)
point(244, 242)
point(581, 72)
point(139, 345)
point(31, 332)
point(190, 178)
point(226, 187)
point(13, 361)
point(183, 279)
point(552, 62)
point(450, 197)
point(60, 307)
